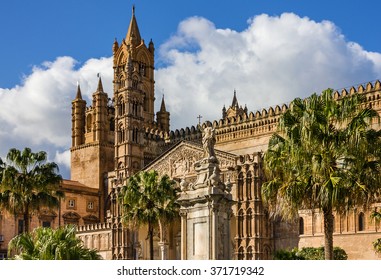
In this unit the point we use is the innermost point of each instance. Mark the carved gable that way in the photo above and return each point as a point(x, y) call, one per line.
point(179, 160)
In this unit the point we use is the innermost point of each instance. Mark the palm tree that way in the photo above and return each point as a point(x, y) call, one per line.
point(376, 216)
point(48, 244)
point(29, 182)
point(148, 199)
point(325, 156)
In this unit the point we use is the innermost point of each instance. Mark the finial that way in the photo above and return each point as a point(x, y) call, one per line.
point(133, 10)
point(162, 107)
point(100, 86)
point(234, 102)
point(79, 94)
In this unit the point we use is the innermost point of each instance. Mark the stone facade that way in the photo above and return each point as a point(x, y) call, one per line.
point(80, 206)
point(118, 135)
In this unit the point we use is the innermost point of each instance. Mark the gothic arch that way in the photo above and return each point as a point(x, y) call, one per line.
point(301, 226)
point(121, 133)
point(89, 122)
point(240, 221)
point(241, 253)
point(240, 187)
point(249, 222)
point(249, 185)
point(361, 221)
point(143, 57)
point(249, 253)
point(121, 59)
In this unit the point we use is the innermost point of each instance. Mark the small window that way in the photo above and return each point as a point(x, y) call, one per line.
point(90, 205)
point(71, 203)
point(21, 225)
point(46, 224)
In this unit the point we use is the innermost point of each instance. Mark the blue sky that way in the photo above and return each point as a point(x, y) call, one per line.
point(270, 51)
point(40, 30)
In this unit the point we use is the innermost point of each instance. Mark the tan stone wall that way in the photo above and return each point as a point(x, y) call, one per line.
point(351, 234)
point(97, 236)
point(358, 246)
point(85, 165)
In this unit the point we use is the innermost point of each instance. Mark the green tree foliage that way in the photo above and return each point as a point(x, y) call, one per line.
point(28, 182)
point(375, 215)
point(151, 200)
point(325, 156)
point(309, 253)
point(48, 244)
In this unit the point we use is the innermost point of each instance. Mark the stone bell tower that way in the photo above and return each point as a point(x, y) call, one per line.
point(206, 209)
point(134, 99)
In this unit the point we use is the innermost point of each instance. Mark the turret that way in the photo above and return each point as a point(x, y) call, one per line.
point(151, 47)
point(78, 110)
point(162, 117)
point(100, 100)
point(234, 110)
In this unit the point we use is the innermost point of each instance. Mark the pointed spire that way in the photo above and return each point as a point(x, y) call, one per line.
point(235, 102)
point(133, 30)
point(79, 94)
point(115, 46)
point(162, 107)
point(151, 47)
point(100, 86)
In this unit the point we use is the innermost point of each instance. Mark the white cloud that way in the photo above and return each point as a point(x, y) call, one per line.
point(62, 159)
point(37, 113)
point(273, 61)
point(270, 62)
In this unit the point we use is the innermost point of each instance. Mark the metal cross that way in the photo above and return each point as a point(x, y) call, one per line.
point(199, 119)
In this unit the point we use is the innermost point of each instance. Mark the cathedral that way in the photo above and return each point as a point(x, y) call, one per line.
point(120, 134)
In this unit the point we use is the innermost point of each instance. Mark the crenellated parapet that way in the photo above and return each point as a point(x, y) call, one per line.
point(189, 133)
point(94, 227)
point(263, 123)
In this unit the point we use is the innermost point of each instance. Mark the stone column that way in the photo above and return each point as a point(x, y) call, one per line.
point(183, 248)
point(164, 247)
point(205, 228)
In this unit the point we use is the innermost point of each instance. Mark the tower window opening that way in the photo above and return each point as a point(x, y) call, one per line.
point(142, 69)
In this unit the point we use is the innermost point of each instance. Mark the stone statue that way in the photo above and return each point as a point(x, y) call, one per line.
point(208, 142)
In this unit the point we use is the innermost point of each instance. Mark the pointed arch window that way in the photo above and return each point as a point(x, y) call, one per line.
point(240, 223)
point(89, 123)
point(301, 226)
point(249, 222)
point(135, 83)
point(142, 69)
point(361, 220)
point(135, 109)
point(121, 107)
point(249, 185)
point(240, 187)
point(250, 253)
point(135, 134)
point(240, 253)
point(121, 133)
